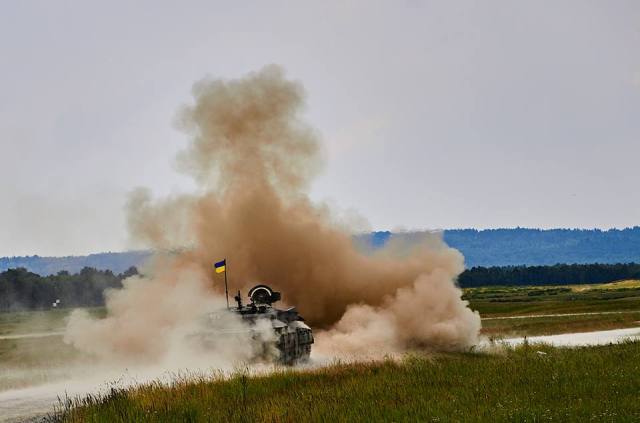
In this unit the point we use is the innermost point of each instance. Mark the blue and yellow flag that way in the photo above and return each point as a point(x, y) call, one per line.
point(220, 266)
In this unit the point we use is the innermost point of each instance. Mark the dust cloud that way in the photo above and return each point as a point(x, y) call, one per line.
point(253, 158)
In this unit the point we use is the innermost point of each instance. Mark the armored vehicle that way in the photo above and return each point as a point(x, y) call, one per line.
point(293, 336)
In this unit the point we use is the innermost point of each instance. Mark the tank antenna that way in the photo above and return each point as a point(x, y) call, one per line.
point(226, 287)
point(238, 299)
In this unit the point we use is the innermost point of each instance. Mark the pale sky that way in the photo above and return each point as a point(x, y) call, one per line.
point(434, 115)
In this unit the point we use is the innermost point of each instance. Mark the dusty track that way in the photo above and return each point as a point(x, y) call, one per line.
point(531, 316)
point(31, 335)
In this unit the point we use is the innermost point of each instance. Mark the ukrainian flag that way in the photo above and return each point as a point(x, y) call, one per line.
point(220, 266)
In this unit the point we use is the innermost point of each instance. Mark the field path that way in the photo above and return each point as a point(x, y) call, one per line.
point(580, 339)
point(530, 316)
point(31, 335)
point(25, 405)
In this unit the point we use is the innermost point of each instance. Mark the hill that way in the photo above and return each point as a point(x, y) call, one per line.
point(490, 247)
point(504, 247)
point(536, 247)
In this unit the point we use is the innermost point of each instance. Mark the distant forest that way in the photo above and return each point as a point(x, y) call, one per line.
point(492, 247)
point(559, 274)
point(115, 262)
point(24, 290)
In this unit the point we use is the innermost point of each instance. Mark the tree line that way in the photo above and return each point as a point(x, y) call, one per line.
point(117, 262)
point(24, 290)
point(559, 274)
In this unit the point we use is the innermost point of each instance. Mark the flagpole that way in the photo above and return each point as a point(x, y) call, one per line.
point(226, 287)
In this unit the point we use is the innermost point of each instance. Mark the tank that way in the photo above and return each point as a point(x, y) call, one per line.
point(293, 337)
point(290, 345)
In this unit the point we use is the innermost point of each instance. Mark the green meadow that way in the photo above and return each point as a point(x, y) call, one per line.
point(547, 310)
point(494, 301)
point(529, 384)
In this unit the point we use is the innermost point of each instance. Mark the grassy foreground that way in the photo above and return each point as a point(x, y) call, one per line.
point(529, 384)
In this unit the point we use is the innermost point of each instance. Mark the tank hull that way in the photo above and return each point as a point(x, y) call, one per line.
point(294, 343)
point(293, 338)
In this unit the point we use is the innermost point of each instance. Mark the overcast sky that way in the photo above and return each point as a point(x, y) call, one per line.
point(434, 114)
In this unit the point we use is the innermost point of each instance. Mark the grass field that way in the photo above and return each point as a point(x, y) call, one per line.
point(619, 303)
point(31, 360)
point(39, 321)
point(551, 325)
point(596, 383)
point(28, 361)
point(528, 384)
point(508, 301)
point(626, 284)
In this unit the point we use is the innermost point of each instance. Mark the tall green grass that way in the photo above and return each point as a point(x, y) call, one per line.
point(528, 384)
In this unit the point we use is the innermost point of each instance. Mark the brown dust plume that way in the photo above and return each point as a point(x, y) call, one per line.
point(253, 158)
